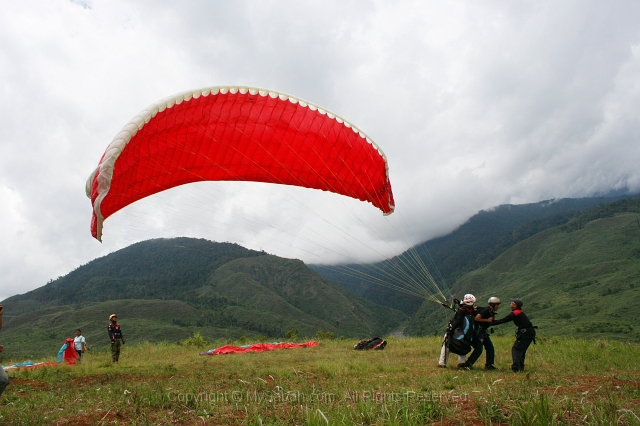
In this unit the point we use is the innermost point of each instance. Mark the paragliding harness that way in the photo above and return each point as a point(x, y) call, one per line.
point(520, 332)
point(460, 334)
point(376, 344)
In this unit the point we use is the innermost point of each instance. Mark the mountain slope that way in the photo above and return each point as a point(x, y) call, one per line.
point(473, 245)
point(184, 285)
point(154, 269)
point(581, 280)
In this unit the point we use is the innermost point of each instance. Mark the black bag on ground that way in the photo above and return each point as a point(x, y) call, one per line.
point(376, 343)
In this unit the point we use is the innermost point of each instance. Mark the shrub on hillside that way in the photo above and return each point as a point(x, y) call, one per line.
point(196, 340)
point(292, 334)
point(325, 335)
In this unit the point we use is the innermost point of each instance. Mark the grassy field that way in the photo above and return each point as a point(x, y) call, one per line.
point(567, 381)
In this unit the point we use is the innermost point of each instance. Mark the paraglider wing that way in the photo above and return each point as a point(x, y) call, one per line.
point(236, 134)
point(67, 353)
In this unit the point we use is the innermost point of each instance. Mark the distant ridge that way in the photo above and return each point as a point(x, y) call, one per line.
point(581, 278)
point(476, 243)
point(185, 285)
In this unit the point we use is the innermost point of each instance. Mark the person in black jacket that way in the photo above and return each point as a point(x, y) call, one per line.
point(484, 319)
point(115, 335)
point(525, 334)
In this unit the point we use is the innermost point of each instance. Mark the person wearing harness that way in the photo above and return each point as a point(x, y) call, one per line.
point(525, 334)
point(115, 335)
point(483, 320)
point(462, 316)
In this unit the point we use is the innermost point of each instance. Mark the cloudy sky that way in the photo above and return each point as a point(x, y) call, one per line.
point(475, 104)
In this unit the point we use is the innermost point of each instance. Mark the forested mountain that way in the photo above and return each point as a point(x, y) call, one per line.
point(473, 245)
point(577, 266)
point(166, 289)
point(581, 278)
point(156, 269)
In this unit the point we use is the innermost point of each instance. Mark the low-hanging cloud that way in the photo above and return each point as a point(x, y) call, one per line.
point(474, 104)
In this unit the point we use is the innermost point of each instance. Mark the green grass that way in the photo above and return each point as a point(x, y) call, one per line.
point(567, 381)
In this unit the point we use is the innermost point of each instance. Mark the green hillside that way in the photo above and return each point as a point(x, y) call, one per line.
point(473, 245)
point(577, 278)
point(165, 290)
point(156, 269)
point(580, 279)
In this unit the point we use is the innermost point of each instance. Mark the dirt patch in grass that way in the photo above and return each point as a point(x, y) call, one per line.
point(33, 384)
point(156, 417)
point(92, 418)
point(466, 413)
point(588, 384)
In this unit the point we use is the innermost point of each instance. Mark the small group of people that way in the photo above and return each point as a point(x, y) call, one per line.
point(79, 345)
point(469, 329)
point(115, 335)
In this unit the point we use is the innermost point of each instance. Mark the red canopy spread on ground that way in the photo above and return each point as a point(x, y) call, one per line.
point(258, 347)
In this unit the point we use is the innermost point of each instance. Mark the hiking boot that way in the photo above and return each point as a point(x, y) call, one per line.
point(490, 367)
point(464, 366)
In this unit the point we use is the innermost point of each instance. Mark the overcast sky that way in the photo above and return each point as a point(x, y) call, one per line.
point(475, 104)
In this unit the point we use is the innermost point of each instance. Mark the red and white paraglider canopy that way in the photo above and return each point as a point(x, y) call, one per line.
point(236, 134)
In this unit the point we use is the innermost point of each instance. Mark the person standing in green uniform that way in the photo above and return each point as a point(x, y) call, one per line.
point(115, 334)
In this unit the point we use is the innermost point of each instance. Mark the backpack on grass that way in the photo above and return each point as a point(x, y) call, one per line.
point(376, 343)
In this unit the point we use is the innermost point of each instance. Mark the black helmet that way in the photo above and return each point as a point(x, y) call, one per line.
point(518, 302)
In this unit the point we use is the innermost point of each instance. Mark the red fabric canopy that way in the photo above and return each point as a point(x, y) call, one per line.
point(70, 355)
point(258, 347)
point(236, 134)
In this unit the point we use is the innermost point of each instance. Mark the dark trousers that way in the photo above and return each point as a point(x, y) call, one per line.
point(480, 341)
point(115, 350)
point(519, 351)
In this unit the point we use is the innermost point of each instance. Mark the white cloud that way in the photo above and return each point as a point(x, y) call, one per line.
point(474, 104)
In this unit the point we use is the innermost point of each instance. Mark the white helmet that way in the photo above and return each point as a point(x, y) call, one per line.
point(468, 299)
point(494, 301)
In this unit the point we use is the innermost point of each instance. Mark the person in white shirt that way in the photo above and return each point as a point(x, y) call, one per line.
point(79, 344)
